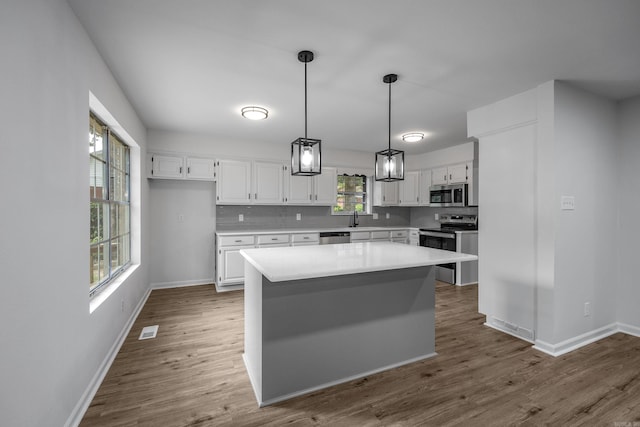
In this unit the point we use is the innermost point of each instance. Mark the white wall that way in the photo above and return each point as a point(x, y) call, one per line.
point(586, 252)
point(573, 253)
point(183, 222)
point(52, 347)
point(628, 300)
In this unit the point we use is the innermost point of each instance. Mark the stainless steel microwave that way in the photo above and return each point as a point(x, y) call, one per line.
point(448, 195)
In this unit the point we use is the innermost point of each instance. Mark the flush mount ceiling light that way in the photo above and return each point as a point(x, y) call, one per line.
point(389, 163)
point(254, 113)
point(413, 137)
point(305, 152)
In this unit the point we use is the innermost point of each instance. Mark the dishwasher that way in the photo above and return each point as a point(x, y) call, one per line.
point(331, 237)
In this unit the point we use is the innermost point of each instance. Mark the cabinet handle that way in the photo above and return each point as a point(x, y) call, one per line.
point(256, 198)
point(316, 197)
point(238, 241)
point(305, 238)
point(249, 196)
point(188, 169)
point(274, 238)
point(180, 169)
point(310, 199)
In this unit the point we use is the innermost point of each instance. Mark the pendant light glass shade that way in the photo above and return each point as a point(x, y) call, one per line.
point(389, 163)
point(306, 159)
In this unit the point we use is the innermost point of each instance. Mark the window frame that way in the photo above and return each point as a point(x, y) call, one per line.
point(366, 194)
point(111, 234)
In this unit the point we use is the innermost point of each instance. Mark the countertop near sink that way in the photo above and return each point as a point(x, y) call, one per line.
point(306, 230)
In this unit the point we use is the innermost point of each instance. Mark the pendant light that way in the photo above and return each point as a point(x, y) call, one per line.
point(305, 152)
point(389, 163)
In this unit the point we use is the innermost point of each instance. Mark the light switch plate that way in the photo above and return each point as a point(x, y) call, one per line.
point(567, 203)
point(298, 217)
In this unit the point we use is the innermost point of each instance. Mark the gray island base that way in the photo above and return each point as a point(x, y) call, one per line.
point(307, 333)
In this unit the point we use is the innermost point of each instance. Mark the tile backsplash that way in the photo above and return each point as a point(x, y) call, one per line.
point(276, 217)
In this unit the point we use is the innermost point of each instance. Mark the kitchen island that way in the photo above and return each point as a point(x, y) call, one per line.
point(316, 316)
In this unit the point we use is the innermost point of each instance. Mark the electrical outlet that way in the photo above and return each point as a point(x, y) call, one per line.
point(298, 216)
point(587, 309)
point(388, 215)
point(375, 215)
point(180, 217)
point(240, 218)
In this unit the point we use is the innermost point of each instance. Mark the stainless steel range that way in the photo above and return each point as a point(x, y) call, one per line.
point(457, 233)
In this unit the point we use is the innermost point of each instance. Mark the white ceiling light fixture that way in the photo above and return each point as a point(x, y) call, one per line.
point(413, 137)
point(254, 113)
point(389, 165)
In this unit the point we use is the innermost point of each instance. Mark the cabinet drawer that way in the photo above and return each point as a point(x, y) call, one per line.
point(398, 234)
point(270, 239)
point(360, 235)
point(380, 235)
point(236, 240)
point(305, 238)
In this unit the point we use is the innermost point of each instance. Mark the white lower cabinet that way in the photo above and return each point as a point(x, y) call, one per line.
point(305, 239)
point(229, 262)
point(399, 236)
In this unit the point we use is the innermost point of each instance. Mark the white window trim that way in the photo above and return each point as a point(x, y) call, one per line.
point(134, 203)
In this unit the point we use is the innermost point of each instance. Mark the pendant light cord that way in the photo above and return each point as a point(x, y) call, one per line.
point(390, 121)
point(305, 101)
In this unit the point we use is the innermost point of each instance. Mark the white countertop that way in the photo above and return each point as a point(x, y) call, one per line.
point(306, 230)
point(306, 262)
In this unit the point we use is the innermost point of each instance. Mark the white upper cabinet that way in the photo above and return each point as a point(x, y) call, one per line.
point(316, 190)
point(439, 176)
point(299, 189)
point(458, 173)
point(425, 186)
point(177, 166)
point(409, 189)
point(385, 193)
point(267, 183)
point(453, 174)
point(166, 166)
point(325, 187)
point(201, 168)
point(234, 182)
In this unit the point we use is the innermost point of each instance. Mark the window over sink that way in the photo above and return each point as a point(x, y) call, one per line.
point(352, 195)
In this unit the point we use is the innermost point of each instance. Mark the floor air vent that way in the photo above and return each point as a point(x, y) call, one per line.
point(148, 332)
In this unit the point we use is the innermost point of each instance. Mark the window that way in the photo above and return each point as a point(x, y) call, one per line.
point(109, 206)
point(352, 194)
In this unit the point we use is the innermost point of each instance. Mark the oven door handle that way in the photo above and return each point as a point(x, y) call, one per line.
point(437, 234)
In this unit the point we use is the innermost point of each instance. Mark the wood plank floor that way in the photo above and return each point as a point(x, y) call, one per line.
point(192, 374)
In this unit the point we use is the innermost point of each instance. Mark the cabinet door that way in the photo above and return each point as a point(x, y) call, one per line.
point(267, 183)
point(425, 185)
point(234, 182)
point(385, 193)
point(439, 176)
point(408, 189)
point(300, 189)
point(457, 173)
point(230, 265)
point(166, 166)
point(201, 168)
point(325, 187)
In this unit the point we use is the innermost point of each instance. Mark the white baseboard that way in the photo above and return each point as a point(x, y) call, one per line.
point(180, 284)
point(85, 400)
point(575, 343)
point(629, 329)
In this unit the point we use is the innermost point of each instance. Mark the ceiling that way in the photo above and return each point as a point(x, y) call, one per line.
point(188, 66)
